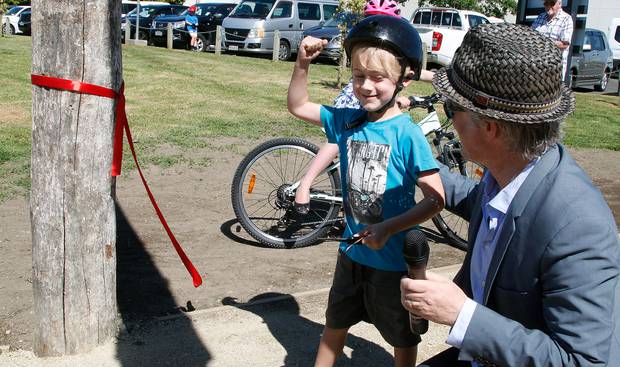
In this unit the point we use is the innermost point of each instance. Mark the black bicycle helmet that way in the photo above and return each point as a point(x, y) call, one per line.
point(394, 33)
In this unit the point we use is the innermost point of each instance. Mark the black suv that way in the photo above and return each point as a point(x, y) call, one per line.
point(24, 22)
point(146, 16)
point(209, 15)
point(592, 65)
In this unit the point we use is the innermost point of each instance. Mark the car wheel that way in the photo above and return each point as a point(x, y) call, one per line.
point(572, 82)
point(202, 43)
point(285, 51)
point(602, 85)
point(9, 29)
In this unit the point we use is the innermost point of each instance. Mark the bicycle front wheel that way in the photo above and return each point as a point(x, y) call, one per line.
point(263, 194)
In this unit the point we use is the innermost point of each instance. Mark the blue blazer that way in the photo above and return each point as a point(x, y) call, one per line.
point(552, 295)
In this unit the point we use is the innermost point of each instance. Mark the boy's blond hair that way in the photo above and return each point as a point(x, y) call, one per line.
point(380, 60)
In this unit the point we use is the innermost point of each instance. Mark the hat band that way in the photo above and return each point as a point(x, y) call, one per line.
point(483, 100)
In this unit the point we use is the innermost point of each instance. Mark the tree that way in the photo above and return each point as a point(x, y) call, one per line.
point(71, 206)
point(496, 8)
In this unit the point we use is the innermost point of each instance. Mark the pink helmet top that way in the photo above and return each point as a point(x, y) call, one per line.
point(386, 7)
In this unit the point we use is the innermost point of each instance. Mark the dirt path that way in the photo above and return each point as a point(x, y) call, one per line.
point(196, 202)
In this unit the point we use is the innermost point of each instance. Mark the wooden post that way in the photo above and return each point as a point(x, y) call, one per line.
point(72, 212)
point(276, 45)
point(127, 31)
point(218, 40)
point(169, 35)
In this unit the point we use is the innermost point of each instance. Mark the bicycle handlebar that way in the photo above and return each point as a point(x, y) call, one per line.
point(424, 102)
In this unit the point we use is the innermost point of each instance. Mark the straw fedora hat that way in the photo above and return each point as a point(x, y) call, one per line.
point(507, 72)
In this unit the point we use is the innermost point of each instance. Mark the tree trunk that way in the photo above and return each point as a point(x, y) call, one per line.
point(72, 210)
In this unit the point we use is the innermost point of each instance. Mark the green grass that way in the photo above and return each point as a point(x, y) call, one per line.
point(178, 102)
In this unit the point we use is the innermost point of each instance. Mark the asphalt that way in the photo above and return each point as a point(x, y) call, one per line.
point(279, 330)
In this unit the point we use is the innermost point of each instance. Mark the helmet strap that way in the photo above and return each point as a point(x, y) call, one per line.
point(399, 87)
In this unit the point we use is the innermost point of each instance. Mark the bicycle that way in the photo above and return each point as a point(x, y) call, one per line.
point(264, 184)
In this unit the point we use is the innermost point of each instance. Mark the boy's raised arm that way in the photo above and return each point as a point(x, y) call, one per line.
point(298, 101)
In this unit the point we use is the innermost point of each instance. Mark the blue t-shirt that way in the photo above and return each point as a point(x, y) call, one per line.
point(193, 22)
point(379, 166)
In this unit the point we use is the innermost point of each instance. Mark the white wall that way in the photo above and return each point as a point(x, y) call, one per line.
point(600, 13)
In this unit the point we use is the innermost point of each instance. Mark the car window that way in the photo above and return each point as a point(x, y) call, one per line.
point(617, 35)
point(329, 11)
point(283, 10)
point(475, 20)
point(128, 7)
point(14, 10)
point(308, 11)
point(597, 42)
point(253, 9)
point(456, 20)
point(178, 10)
point(436, 18)
point(446, 19)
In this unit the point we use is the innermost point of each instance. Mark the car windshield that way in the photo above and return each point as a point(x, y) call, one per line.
point(14, 10)
point(253, 9)
point(340, 18)
point(202, 10)
point(146, 11)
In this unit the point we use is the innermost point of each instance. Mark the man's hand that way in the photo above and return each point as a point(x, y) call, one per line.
point(309, 49)
point(436, 299)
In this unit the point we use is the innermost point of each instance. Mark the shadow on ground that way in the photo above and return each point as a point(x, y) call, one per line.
point(300, 336)
point(143, 293)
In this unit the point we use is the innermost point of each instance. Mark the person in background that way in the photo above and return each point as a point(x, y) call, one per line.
point(191, 21)
point(558, 26)
point(383, 155)
point(539, 283)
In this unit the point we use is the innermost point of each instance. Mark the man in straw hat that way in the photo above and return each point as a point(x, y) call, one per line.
point(539, 284)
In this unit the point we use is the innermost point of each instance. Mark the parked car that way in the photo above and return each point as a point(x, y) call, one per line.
point(24, 22)
point(443, 30)
point(209, 15)
point(251, 25)
point(593, 64)
point(145, 19)
point(614, 41)
point(330, 31)
point(10, 19)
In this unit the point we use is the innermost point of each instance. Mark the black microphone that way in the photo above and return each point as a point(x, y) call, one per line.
point(416, 252)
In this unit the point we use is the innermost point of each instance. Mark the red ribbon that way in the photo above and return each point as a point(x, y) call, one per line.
point(120, 124)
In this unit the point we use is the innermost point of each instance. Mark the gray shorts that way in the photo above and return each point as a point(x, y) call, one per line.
point(361, 293)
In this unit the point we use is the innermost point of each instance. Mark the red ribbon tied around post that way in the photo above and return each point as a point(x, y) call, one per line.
point(117, 157)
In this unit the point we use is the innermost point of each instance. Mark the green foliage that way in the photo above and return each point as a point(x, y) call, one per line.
point(496, 8)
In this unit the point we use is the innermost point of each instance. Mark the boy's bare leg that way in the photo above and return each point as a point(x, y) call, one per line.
point(330, 346)
point(405, 357)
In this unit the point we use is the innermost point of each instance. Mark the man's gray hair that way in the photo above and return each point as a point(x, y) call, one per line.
point(529, 140)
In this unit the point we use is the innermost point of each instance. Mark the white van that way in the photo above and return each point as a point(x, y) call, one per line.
point(250, 26)
point(614, 41)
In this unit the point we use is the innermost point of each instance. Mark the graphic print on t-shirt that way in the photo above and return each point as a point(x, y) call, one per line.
point(366, 179)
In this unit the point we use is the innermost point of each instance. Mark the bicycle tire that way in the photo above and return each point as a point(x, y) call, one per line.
point(452, 227)
point(260, 205)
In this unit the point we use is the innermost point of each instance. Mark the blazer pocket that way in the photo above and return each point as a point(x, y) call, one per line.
point(521, 306)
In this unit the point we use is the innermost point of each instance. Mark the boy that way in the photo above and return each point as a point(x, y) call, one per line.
point(383, 155)
point(192, 25)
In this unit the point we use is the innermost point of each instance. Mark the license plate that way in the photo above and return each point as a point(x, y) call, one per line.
point(233, 47)
point(159, 33)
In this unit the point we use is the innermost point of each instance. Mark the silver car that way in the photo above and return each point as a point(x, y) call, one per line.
point(592, 65)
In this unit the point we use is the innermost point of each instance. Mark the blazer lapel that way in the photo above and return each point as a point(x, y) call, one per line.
point(547, 162)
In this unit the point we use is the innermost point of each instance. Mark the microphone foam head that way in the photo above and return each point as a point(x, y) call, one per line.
point(416, 247)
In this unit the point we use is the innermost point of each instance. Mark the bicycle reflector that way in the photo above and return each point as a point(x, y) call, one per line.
point(252, 183)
